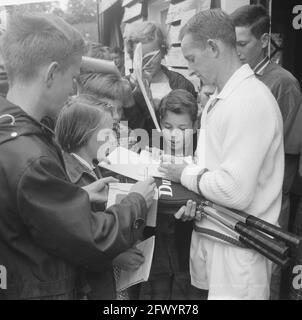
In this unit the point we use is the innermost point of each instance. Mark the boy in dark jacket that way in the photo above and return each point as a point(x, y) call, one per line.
point(47, 228)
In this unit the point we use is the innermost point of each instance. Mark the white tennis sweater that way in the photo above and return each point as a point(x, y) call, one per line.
point(243, 150)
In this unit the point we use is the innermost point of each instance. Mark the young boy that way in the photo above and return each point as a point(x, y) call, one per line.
point(252, 25)
point(178, 113)
point(117, 55)
point(170, 278)
point(47, 228)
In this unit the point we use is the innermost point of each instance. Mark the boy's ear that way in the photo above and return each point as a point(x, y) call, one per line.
point(265, 40)
point(50, 73)
point(214, 47)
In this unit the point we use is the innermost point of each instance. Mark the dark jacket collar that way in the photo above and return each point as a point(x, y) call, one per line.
point(168, 73)
point(75, 169)
point(15, 122)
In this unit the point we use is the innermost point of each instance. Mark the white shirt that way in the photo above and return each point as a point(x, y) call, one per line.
point(244, 152)
point(160, 90)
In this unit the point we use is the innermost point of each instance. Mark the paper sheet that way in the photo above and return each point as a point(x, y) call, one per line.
point(137, 66)
point(133, 165)
point(130, 278)
point(137, 166)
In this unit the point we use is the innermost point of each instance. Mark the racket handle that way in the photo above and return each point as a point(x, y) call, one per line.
point(273, 231)
point(269, 255)
point(270, 244)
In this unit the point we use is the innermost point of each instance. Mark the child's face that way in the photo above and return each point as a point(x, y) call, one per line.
point(118, 59)
point(177, 131)
point(154, 66)
point(99, 138)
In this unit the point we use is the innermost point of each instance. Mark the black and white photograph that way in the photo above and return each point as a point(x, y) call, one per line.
point(150, 152)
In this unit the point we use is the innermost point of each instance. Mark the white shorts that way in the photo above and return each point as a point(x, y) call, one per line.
point(228, 272)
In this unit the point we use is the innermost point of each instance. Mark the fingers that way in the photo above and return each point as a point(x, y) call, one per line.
point(166, 158)
point(148, 184)
point(138, 259)
point(164, 168)
point(150, 181)
point(133, 266)
point(104, 159)
point(136, 251)
point(135, 260)
point(178, 215)
point(108, 180)
point(167, 170)
point(198, 215)
point(192, 213)
point(188, 212)
point(150, 187)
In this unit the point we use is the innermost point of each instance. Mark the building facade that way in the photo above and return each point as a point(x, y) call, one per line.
point(173, 14)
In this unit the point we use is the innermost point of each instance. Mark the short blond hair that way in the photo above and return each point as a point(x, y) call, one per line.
point(109, 86)
point(32, 41)
point(145, 32)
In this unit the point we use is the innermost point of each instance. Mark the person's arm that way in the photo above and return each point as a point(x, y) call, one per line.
point(247, 133)
point(99, 66)
point(58, 217)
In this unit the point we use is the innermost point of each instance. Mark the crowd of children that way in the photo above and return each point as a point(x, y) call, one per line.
point(85, 244)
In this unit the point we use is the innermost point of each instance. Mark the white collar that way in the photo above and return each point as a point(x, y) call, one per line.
point(236, 79)
point(83, 161)
point(261, 66)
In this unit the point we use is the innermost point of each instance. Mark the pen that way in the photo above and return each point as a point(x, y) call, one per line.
point(146, 174)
